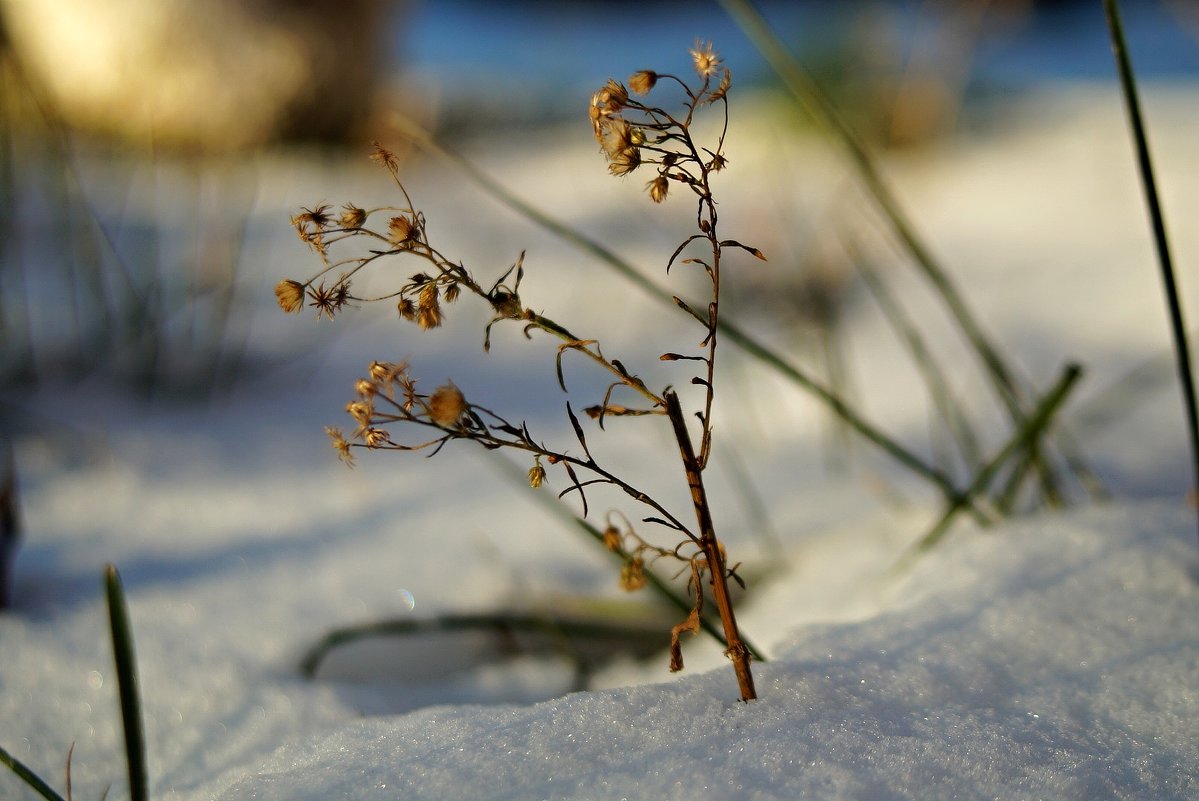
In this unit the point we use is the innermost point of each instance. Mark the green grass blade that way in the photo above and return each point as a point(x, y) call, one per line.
point(1132, 101)
point(130, 694)
point(1034, 427)
point(29, 777)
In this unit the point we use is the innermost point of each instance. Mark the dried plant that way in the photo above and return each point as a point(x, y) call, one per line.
point(632, 135)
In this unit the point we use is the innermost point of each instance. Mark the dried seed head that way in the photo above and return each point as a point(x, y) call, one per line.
point(632, 575)
point(428, 312)
point(451, 292)
point(606, 104)
point(536, 474)
point(315, 218)
point(401, 231)
point(361, 411)
point(365, 388)
point(705, 59)
point(340, 445)
point(376, 437)
point(406, 308)
point(658, 188)
point(290, 295)
point(352, 217)
point(446, 405)
point(385, 157)
point(612, 538)
point(329, 300)
point(625, 162)
point(643, 81)
point(386, 372)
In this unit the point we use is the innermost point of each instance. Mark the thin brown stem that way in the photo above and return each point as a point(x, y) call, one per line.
point(737, 650)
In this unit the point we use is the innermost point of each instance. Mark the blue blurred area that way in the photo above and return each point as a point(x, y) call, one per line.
point(563, 46)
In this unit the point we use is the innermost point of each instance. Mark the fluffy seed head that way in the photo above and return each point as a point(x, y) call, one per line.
point(446, 405)
point(643, 81)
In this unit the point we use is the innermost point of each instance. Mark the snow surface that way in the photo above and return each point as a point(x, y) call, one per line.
point(1053, 657)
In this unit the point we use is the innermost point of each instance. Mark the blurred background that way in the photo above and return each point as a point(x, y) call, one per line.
point(151, 151)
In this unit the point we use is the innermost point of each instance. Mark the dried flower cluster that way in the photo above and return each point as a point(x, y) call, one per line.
point(420, 298)
point(631, 135)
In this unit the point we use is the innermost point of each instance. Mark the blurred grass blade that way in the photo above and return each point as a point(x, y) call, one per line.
point(29, 777)
point(820, 108)
point(947, 407)
point(1132, 101)
point(1034, 427)
point(130, 694)
point(813, 100)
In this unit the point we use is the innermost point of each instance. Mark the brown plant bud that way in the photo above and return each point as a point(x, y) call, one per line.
point(361, 411)
point(536, 475)
point(643, 81)
point(376, 437)
point(625, 162)
point(632, 575)
point(446, 405)
point(365, 388)
point(290, 295)
point(352, 217)
point(386, 372)
point(428, 312)
point(614, 95)
point(401, 231)
point(451, 293)
point(612, 538)
point(406, 308)
point(658, 189)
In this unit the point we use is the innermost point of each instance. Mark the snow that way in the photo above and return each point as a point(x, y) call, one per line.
point(1054, 656)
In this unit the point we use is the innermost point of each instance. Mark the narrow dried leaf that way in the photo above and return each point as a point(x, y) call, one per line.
point(691, 626)
point(577, 485)
point(679, 249)
point(574, 421)
point(733, 243)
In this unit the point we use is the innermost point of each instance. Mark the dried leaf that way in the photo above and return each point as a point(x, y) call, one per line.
point(733, 243)
point(690, 625)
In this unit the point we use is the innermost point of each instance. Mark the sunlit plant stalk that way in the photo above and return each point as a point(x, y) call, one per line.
point(632, 135)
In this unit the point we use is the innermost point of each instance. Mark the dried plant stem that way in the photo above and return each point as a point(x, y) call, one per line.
point(753, 347)
point(1182, 354)
point(737, 650)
